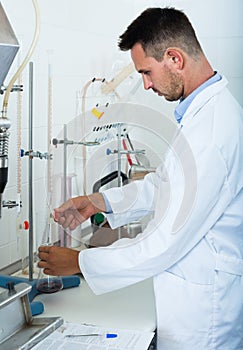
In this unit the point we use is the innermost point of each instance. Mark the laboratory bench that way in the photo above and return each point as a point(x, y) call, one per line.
point(132, 307)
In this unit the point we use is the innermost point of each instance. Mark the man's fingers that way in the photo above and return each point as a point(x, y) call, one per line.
point(47, 270)
point(43, 256)
point(44, 249)
point(42, 264)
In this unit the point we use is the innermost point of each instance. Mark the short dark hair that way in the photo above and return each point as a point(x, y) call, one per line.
point(157, 28)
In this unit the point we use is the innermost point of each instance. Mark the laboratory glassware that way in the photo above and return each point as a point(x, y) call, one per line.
point(47, 283)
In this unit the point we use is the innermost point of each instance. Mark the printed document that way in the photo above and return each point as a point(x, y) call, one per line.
point(72, 336)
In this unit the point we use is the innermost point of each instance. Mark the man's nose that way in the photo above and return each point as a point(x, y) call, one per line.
point(147, 83)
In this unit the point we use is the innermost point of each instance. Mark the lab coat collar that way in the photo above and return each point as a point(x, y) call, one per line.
point(185, 102)
point(202, 98)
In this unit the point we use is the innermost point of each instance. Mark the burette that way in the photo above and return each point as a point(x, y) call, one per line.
point(49, 237)
point(47, 233)
point(49, 130)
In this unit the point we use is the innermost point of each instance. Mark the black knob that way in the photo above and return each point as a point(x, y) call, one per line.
point(10, 286)
point(54, 142)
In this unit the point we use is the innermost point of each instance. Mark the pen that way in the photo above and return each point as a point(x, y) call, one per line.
point(107, 335)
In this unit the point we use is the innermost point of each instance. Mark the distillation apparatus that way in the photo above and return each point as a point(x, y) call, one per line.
point(18, 298)
point(9, 53)
point(5, 120)
point(9, 47)
point(67, 281)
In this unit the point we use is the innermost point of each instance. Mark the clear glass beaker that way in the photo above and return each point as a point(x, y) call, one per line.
point(46, 283)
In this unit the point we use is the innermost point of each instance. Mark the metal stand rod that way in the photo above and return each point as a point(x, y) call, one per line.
point(119, 167)
point(31, 253)
point(119, 154)
point(65, 177)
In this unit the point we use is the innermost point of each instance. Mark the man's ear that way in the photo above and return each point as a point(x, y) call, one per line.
point(175, 58)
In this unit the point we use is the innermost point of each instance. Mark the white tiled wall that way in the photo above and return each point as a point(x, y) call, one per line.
point(82, 36)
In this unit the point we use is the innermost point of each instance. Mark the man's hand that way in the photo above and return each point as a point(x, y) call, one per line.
point(76, 210)
point(58, 261)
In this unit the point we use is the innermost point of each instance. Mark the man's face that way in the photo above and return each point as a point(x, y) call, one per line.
point(158, 76)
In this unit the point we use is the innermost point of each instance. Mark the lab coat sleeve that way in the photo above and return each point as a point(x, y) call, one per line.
point(164, 242)
point(133, 201)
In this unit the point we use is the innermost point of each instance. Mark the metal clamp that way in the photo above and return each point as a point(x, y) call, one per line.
point(11, 204)
point(55, 142)
point(109, 151)
point(35, 154)
point(14, 88)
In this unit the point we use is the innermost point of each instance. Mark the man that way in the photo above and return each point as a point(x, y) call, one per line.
point(193, 246)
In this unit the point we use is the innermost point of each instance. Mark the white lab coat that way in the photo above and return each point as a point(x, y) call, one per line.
point(193, 246)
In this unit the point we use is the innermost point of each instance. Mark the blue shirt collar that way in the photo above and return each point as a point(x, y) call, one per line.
point(185, 103)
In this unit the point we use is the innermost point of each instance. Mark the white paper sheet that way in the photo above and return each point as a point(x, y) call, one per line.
point(125, 340)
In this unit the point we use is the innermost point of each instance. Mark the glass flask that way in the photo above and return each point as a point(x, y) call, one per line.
point(46, 283)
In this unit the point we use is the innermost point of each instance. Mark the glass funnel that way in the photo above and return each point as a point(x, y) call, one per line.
point(46, 283)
